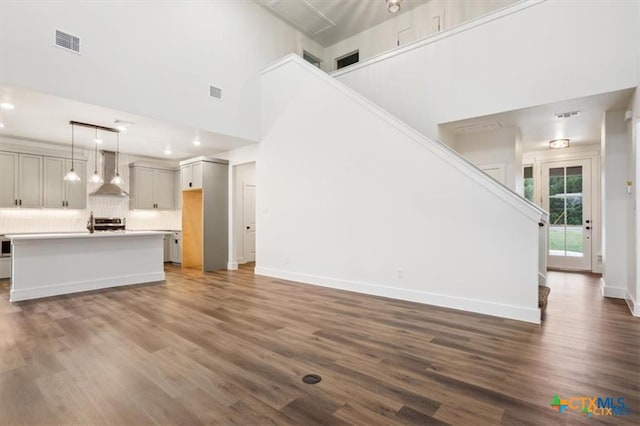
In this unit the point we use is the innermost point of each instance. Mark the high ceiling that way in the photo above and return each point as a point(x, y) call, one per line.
point(538, 125)
point(330, 21)
point(42, 117)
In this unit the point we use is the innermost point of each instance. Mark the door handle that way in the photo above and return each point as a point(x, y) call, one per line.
point(20, 202)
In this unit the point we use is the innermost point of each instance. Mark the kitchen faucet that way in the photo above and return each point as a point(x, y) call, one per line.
point(90, 224)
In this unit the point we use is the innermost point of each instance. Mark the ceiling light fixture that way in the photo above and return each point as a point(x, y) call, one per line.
point(393, 6)
point(167, 151)
point(72, 176)
point(1, 125)
point(559, 143)
point(117, 180)
point(5, 105)
point(196, 142)
point(122, 128)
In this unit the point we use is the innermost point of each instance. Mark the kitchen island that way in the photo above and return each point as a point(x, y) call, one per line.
point(45, 265)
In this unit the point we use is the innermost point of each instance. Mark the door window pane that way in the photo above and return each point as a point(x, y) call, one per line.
point(528, 183)
point(566, 211)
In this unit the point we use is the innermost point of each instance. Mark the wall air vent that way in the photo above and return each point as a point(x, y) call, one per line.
point(567, 114)
point(215, 92)
point(67, 41)
point(478, 127)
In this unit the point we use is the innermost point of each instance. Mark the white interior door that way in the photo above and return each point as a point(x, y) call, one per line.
point(249, 222)
point(566, 195)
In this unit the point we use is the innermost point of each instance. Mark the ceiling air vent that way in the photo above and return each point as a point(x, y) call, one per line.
point(67, 41)
point(215, 92)
point(567, 114)
point(478, 127)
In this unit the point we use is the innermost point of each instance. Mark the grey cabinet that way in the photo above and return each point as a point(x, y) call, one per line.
point(59, 193)
point(8, 179)
point(21, 180)
point(152, 189)
point(191, 176)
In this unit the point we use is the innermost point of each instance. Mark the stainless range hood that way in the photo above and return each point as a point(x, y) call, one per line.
point(108, 172)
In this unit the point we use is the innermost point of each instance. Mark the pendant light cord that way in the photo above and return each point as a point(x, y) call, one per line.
point(95, 155)
point(117, 153)
point(72, 143)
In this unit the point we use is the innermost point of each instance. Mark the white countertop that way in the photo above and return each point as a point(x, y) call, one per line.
point(61, 235)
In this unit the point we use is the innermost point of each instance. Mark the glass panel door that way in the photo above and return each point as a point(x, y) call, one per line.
point(567, 198)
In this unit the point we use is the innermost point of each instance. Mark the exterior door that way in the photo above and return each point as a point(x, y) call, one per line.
point(566, 195)
point(249, 215)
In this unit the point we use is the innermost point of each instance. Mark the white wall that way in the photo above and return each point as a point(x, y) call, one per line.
point(415, 24)
point(365, 204)
point(495, 148)
point(71, 220)
point(633, 288)
point(632, 237)
point(615, 141)
point(156, 59)
point(539, 54)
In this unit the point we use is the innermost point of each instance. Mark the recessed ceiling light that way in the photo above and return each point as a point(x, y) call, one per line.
point(1, 125)
point(559, 143)
point(122, 128)
point(196, 142)
point(5, 105)
point(167, 151)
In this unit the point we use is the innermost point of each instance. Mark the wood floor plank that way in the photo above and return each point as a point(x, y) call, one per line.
point(230, 348)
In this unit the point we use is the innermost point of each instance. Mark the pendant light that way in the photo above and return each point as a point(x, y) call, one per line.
point(117, 180)
point(96, 177)
point(72, 176)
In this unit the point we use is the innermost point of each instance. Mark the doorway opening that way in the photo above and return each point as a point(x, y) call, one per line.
point(244, 212)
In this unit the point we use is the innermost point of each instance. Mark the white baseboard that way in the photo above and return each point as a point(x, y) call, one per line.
point(612, 292)
point(634, 306)
point(79, 286)
point(232, 266)
point(454, 302)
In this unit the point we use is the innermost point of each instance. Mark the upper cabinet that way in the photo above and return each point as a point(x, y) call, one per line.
point(8, 179)
point(59, 193)
point(152, 188)
point(34, 181)
point(191, 176)
point(21, 183)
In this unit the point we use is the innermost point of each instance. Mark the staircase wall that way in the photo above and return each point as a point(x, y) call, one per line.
point(350, 197)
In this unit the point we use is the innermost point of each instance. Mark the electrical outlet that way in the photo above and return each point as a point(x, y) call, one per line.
point(286, 260)
point(400, 273)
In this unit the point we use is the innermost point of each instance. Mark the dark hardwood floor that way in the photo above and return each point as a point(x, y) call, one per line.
point(231, 348)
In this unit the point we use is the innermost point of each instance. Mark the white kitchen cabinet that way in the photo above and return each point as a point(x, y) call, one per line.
point(151, 188)
point(8, 179)
point(21, 183)
point(191, 176)
point(59, 193)
point(29, 180)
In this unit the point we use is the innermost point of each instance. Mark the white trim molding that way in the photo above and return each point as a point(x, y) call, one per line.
point(519, 313)
point(524, 206)
point(634, 306)
point(612, 292)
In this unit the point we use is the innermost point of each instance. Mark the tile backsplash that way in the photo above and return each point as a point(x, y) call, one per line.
point(59, 220)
